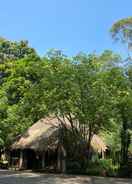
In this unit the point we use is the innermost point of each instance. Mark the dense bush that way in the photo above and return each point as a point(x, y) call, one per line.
point(102, 167)
point(74, 167)
point(125, 171)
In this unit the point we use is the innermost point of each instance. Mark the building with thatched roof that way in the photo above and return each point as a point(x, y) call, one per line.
point(40, 147)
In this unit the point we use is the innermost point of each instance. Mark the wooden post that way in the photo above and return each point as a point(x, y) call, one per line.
point(21, 160)
point(63, 160)
point(59, 160)
point(43, 160)
point(63, 166)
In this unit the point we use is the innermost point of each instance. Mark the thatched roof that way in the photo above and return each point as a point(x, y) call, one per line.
point(44, 134)
point(39, 136)
point(98, 144)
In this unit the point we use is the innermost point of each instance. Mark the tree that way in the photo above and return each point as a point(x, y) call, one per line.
point(80, 95)
point(122, 31)
point(12, 51)
point(121, 93)
point(15, 58)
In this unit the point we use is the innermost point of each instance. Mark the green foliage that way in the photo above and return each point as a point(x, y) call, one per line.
point(122, 30)
point(91, 91)
point(10, 50)
point(102, 168)
point(125, 171)
point(14, 85)
point(74, 167)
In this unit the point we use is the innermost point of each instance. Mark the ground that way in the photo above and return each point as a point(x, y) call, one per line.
point(10, 177)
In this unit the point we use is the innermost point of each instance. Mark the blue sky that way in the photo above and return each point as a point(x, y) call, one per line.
point(69, 25)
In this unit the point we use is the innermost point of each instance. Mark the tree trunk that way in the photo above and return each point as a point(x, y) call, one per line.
point(125, 142)
point(89, 142)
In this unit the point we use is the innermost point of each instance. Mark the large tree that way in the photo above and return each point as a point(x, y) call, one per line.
point(12, 51)
point(121, 93)
point(121, 31)
point(15, 79)
point(78, 93)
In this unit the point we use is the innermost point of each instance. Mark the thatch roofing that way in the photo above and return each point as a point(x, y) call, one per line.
point(98, 144)
point(44, 134)
point(39, 136)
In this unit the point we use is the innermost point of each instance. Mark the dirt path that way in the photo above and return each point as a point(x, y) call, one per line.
point(9, 177)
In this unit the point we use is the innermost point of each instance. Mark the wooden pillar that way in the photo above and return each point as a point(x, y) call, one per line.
point(63, 166)
point(43, 160)
point(59, 160)
point(63, 160)
point(21, 160)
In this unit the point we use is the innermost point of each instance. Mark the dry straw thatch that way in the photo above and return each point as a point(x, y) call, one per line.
point(44, 134)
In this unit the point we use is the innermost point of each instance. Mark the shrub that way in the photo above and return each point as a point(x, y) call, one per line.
point(73, 167)
point(101, 168)
point(125, 171)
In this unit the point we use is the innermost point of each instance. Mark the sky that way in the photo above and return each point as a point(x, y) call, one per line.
point(72, 26)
